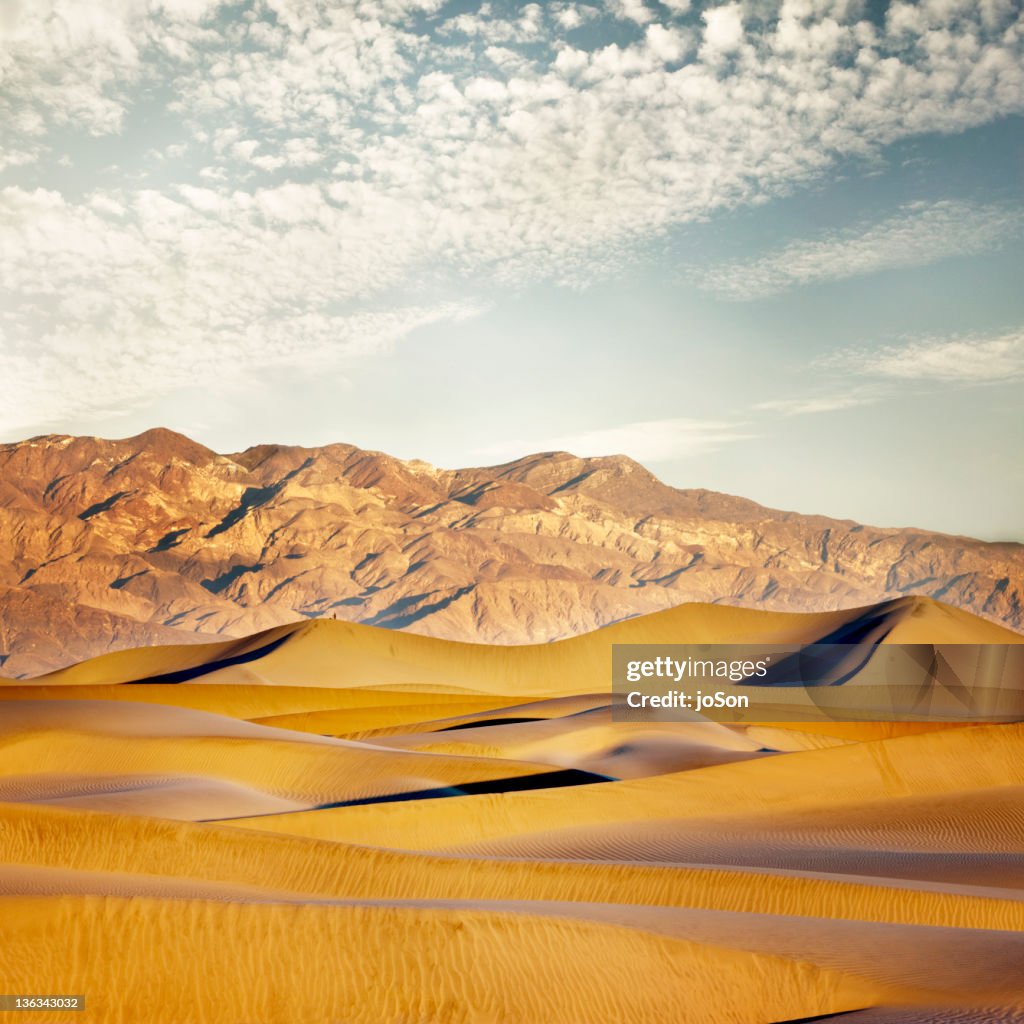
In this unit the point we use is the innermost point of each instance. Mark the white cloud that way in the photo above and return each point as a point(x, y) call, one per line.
point(17, 158)
point(322, 158)
point(115, 302)
point(67, 63)
point(956, 360)
point(532, 165)
point(647, 441)
point(666, 44)
point(723, 32)
point(880, 373)
point(920, 234)
point(92, 374)
point(569, 17)
point(814, 404)
point(632, 10)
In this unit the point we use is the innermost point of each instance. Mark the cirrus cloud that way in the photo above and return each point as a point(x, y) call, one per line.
point(919, 234)
point(973, 359)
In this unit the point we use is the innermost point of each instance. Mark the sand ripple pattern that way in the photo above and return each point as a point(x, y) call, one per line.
point(349, 846)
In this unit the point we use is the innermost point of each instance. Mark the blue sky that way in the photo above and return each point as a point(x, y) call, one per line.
point(768, 248)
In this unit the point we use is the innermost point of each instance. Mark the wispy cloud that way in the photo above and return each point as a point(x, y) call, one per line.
point(115, 301)
point(647, 440)
point(816, 404)
point(920, 234)
point(947, 360)
point(868, 375)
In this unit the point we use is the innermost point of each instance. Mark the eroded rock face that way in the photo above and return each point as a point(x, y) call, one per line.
point(152, 539)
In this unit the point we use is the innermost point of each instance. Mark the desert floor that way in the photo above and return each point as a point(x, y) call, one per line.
point(336, 823)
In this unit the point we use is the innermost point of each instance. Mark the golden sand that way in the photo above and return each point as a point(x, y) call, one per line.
point(338, 830)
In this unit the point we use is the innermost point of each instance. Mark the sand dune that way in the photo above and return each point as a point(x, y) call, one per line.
point(185, 797)
point(589, 741)
point(937, 762)
point(254, 703)
point(310, 773)
point(974, 838)
point(347, 826)
point(386, 964)
point(307, 654)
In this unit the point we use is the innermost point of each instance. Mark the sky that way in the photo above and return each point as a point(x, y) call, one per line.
point(768, 247)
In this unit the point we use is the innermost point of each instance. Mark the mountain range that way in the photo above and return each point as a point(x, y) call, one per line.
point(107, 544)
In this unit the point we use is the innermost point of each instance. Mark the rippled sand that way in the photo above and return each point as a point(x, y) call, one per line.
point(353, 825)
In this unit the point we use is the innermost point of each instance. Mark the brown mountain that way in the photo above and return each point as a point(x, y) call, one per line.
point(153, 539)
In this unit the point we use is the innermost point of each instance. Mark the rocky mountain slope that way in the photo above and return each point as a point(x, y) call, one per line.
point(153, 539)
